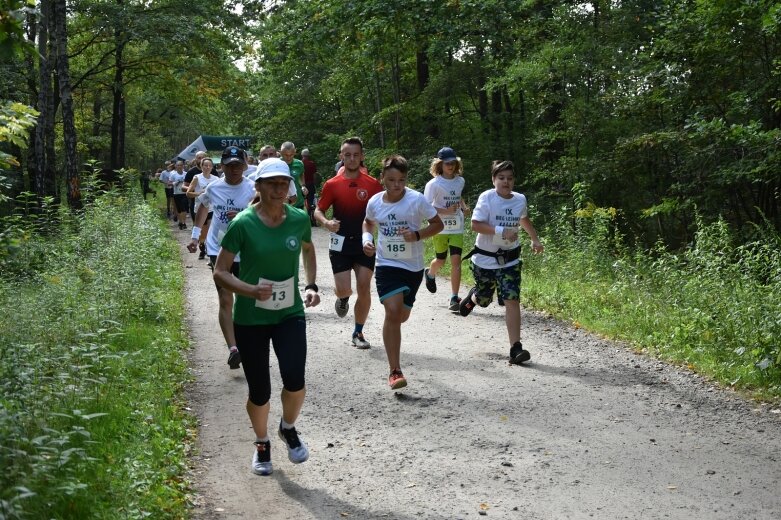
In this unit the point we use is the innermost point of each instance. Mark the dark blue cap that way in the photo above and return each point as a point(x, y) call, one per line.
point(447, 154)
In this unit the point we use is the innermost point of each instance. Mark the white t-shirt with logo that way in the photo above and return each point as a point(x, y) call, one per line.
point(178, 179)
point(200, 185)
point(443, 193)
point(495, 210)
point(409, 212)
point(222, 198)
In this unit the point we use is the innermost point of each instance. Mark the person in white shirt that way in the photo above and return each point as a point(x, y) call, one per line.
point(498, 216)
point(180, 198)
point(444, 193)
point(397, 214)
point(195, 189)
point(225, 198)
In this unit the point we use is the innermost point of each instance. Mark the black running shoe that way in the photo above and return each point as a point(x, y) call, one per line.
point(234, 359)
point(467, 304)
point(518, 355)
point(431, 283)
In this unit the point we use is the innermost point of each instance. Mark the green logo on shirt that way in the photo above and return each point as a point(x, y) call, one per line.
point(292, 243)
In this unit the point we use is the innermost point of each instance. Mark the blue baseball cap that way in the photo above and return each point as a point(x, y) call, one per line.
point(447, 154)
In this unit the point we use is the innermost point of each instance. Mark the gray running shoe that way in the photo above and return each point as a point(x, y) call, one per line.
point(360, 342)
point(261, 460)
point(455, 304)
point(297, 451)
point(341, 306)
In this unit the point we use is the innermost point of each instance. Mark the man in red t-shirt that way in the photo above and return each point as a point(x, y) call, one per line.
point(310, 181)
point(348, 193)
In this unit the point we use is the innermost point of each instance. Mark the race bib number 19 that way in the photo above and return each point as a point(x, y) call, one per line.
point(397, 248)
point(282, 295)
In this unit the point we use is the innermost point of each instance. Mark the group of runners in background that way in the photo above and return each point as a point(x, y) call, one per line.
point(255, 226)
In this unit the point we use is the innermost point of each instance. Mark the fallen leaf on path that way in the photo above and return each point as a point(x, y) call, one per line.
point(484, 506)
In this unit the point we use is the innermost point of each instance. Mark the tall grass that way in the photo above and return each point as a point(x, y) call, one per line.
point(714, 307)
point(91, 364)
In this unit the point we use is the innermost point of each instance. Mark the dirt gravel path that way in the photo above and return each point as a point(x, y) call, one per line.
point(587, 430)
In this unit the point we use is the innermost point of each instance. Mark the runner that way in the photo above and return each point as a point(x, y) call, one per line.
point(398, 212)
point(196, 188)
point(444, 193)
point(225, 198)
point(496, 263)
point(269, 308)
point(165, 179)
point(348, 194)
point(188, 178)
point(288, 153)
point(180, 198)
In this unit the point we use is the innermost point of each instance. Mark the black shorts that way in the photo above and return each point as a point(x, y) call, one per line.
point(394, 280)
point(234, 268)
point(341, 262)
point(289, 341)
point(180, 199)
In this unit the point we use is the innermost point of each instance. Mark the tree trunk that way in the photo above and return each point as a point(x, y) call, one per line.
point(118, 111)
point(378, 107)
point(66, 99)
point(43, 171)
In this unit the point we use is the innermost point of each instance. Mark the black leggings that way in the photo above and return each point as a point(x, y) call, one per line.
point(289, 341)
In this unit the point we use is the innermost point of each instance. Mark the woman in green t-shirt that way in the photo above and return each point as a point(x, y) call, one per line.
point(269, 310)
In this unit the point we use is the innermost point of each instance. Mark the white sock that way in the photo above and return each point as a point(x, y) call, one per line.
point(264, 439)
point(286, 426)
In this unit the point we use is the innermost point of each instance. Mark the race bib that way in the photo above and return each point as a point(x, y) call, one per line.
point(497, 240)
point(282, 295)
point(454, 222)
point(397, 248)
point(337, 242)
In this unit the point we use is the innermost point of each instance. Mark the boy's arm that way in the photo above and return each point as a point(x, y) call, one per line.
point(527, 226)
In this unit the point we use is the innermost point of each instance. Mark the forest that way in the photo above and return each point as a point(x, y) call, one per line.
point(647, 135)
point(660, 110)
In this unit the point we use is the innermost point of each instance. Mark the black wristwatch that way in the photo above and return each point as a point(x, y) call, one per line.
point(312, 286)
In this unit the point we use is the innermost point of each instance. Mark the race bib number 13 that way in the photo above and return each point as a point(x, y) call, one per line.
point(397, 248)
point(282, 295)
point(337, 242)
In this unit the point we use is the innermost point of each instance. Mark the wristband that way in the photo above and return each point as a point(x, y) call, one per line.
point(312, 286)
point(499, 230)
point(196, 233)
point(417, 234)
point(367, 237)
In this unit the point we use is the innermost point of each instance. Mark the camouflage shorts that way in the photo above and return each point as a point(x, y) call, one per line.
point(505, 281)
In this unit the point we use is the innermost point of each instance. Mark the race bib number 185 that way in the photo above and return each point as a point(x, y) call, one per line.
point(397, 248)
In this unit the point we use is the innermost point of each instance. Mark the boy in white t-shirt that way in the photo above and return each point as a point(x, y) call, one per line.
point(496, 263)
point(398, 214)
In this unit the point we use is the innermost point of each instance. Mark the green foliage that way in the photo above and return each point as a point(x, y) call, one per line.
point(91, 369)
point(15, 120)
point(713, 307)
